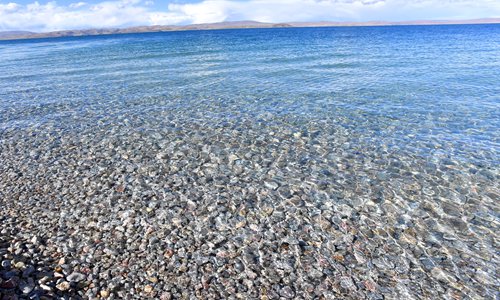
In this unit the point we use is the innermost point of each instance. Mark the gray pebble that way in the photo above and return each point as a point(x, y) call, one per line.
point(76, 277)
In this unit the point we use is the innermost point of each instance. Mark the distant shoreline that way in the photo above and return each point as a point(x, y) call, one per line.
point(20, 35)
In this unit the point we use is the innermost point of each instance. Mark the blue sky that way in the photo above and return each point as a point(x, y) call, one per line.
point(156, 5)
point(78, 14)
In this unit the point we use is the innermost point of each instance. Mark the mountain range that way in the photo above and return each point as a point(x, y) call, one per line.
point(11, 35)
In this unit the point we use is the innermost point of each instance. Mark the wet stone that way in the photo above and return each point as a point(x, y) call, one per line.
point(104, 294)
point(76, 277)
point(28, 271)
point(287, 292)
point(6, 264)
point(271, 185)
point(63, 286)
point(347, 283)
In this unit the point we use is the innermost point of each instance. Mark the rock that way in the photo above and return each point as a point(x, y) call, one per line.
point(10, 284)
point(439, 274)
point(19, 265)
point(26, 286)
point(314, 273)
point(240, 224)
point(153, 279)
point(28, 271)
point(370, 285)
point(427, 263)
point(45, 279)
point(63, 286)
point(287, 292)
point(148, 289)
point(168, 253)
point(484, 278)
point(271, 185)
point(46, 287)
point(177, 222)
point(76, 277)
point(6, 264)
point(36, 240)
point(232, 158)
point(347, 283)
point(104, 294)
point(166, 296)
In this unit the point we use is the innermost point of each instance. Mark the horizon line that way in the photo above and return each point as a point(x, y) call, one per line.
point(240, 24)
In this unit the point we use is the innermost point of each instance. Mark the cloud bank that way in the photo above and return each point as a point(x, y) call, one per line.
point(121, 13)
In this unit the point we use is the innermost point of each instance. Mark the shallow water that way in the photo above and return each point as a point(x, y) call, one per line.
point(379, 145)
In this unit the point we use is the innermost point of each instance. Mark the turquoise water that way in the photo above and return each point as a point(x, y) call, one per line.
point(409, 87)
point(399, 124)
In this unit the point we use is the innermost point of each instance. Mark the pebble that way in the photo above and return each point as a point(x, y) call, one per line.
point(271, 185)
point(6, 264)
point(46, 287)
point(28, 271)
point(63, 286)
point(287, 292)
point(27, 286)
point(347, 283)
point(439, 274)
point(76, 277)
point(10, 283)
point(104, 294)
point(153, 279)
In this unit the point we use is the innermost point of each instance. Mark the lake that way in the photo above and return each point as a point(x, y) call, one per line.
point(356, 162)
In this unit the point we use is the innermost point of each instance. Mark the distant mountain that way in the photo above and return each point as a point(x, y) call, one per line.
point(10, 35)
point(386, 23)
point(4, 34)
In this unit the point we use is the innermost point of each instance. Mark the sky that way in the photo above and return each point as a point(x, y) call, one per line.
point(42, 16)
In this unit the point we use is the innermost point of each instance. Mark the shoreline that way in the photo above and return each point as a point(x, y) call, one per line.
point(229, 25)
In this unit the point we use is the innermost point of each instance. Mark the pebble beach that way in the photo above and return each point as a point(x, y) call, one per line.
point(224, 181)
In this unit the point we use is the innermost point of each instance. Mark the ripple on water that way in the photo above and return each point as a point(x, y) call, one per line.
point(353, 172)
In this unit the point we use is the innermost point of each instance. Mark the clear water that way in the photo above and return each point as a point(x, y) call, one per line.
point(402, 86)
point(399, 123)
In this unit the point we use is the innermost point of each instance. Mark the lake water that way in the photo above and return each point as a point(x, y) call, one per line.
point(372, 151)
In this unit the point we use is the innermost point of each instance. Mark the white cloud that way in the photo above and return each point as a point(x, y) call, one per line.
point(50, 16)
point(77, 4)
point(332, 10)
point(120, 13)
point(8, 7)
